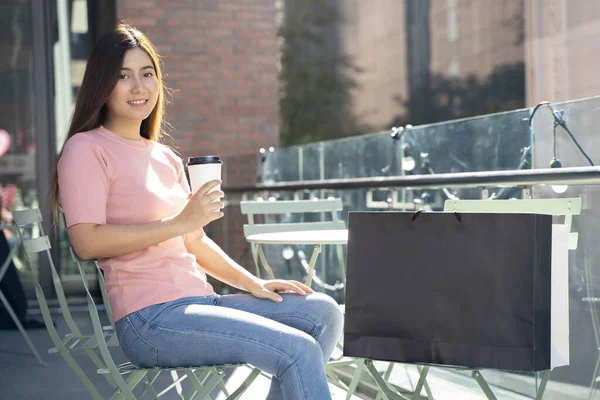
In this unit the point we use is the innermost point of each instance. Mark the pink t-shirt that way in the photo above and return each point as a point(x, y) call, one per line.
point(106, 179)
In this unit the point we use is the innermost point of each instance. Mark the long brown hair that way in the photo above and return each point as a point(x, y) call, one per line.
point(101, 76)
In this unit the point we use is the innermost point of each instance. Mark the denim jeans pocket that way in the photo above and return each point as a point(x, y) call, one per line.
point(137, 349)
point(120, 325)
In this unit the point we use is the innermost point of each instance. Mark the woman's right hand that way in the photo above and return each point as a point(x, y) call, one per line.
point(202, 207)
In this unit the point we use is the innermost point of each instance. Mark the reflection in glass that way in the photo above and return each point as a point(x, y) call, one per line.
point(17, 156)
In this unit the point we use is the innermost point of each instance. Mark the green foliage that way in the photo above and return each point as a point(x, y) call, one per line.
point(316, 79)
point(444, 99)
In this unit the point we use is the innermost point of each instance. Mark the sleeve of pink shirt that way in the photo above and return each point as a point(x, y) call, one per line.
point(83, 181)
point(183, 181)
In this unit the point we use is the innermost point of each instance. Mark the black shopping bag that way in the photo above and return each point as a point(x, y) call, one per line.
point(470, 290)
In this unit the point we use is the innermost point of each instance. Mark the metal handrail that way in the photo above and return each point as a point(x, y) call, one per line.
point(487, 179)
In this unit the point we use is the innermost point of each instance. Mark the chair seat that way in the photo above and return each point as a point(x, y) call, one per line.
point(128, 367)
point(74, 342)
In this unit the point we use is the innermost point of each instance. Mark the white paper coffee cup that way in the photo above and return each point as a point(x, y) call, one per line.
point(204, 169)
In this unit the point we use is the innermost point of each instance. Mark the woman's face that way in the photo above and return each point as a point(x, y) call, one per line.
point(135, 95)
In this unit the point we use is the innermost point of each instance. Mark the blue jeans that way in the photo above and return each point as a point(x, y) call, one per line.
point(291, 340)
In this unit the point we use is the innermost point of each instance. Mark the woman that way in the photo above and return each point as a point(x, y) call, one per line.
point(127, 203)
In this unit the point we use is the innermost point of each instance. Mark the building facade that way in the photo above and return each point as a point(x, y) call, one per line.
point(562, 49)
point(510, 54)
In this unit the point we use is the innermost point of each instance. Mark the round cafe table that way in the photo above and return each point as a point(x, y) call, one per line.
point(314, 238)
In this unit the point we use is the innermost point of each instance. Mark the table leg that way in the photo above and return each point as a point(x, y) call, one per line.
point(310, 269)
point(264, 262)
point(311, 265)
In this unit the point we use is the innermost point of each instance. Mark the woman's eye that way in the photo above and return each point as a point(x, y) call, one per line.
point(123, 76)
point(148, 74)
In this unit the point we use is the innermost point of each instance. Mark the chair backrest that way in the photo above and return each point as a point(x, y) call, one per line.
point(25, 219)
point(253, 208)
point(559, 207)
point(111, 366)
point(85, 264)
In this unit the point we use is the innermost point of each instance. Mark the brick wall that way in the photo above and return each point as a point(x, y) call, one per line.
point(220, 59)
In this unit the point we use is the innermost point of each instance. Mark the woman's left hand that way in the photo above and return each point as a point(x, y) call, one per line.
point(269, 289)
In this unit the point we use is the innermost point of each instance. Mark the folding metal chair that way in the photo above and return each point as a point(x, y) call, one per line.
point(204, 379)
point(74, 340)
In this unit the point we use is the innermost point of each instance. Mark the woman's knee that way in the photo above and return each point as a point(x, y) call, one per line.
point(326, 309)
point(305, 347)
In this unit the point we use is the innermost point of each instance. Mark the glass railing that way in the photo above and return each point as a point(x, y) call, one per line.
point(496, 142)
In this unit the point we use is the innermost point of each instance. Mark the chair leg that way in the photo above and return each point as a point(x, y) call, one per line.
point(355, 379)
point(149, 379)
point(483, 385)
point(383, 385)
point(82, 376)
point(386, 377)
point(334, 379)
point(203, 390)
point(244, 385)
point(176, 384)
point(132, 381)
point(223, 388)
point(422, 381)
point(542, 387)
point(100, 365)
point(12, 314)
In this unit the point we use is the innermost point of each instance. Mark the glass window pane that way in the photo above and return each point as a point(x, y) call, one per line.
point(74, 45)
point(17, 130)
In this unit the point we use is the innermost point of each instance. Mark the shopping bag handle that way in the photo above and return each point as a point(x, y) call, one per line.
point(419, 212)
